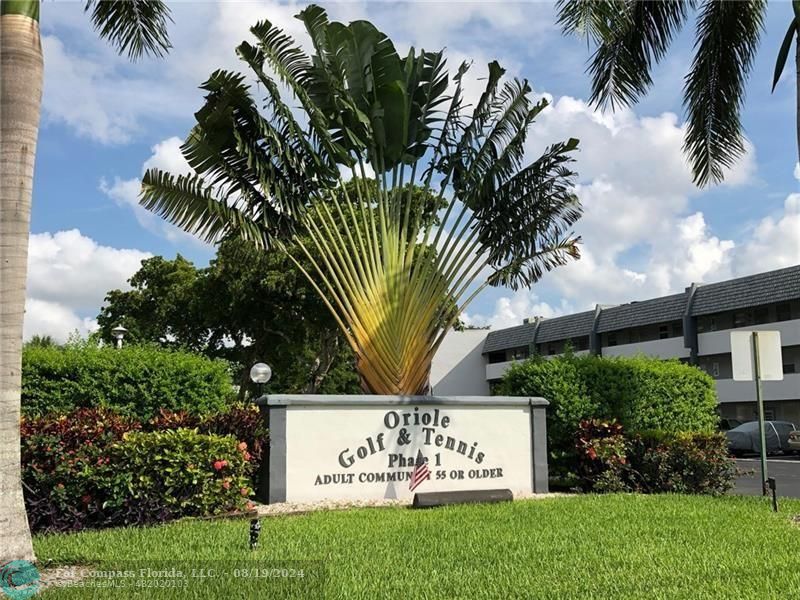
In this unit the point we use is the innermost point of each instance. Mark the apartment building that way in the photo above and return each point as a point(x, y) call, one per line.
point(693, 326)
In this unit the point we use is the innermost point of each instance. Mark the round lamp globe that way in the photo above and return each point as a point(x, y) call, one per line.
point(260, 373)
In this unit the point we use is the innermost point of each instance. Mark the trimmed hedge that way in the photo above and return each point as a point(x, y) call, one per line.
point(93, 468)
point(134, 380)
point(641, 393)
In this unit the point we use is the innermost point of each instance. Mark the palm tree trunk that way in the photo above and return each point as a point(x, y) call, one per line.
point(796, 10)
point(21, 69)
point(797, 86)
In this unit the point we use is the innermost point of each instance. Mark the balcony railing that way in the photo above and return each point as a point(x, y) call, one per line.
point(729, 390)
point(666, 348)
point(719, 342)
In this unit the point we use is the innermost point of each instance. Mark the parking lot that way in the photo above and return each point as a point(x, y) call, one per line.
point(785, 470)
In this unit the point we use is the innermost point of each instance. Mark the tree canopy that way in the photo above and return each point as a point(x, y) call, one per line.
point(395, 279)
point(246, 306)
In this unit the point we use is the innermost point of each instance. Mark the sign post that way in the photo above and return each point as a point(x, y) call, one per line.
point(762, 426)
point(756, 355)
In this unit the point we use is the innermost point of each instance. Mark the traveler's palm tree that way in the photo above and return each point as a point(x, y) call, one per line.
point(631, 36)
point(394, 280)
point(134, 27)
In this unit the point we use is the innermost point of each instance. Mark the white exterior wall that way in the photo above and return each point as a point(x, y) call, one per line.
point(719, 342)
point(497, 370)
point(666, 348)
point(729, 390)
point(458, 369)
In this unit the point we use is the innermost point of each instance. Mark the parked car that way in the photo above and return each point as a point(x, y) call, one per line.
point(745, 437)
point(794, 441)
point(726, 424)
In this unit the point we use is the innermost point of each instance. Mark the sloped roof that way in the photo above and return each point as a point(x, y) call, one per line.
point(559, 328)
point(646, 312)
point(562, 328)
point(512, 337)
point(753, 290)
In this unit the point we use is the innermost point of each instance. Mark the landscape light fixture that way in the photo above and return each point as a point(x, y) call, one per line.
point(260, 373)
point(119, 333)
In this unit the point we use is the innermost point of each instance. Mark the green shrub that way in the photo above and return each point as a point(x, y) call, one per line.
point(641, 393)
point(175, 473)
point(81, 470)
point(685, 463)
point(93, 468)
point(134, 380)
point(652, 462)
point(244, 422)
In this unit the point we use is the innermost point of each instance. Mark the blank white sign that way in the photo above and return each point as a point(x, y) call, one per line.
point(770, 363)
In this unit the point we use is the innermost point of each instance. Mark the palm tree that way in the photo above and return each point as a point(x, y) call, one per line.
point(631, 36)
point(135, 27)
point(793, 33)
point(394, 280)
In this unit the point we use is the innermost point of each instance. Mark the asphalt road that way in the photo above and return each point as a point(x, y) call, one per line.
point(785, 470)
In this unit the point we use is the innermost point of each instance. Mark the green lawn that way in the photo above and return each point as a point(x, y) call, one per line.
point(613, 546)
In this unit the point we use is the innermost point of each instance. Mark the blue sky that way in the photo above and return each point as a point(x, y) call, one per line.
point(647, 230)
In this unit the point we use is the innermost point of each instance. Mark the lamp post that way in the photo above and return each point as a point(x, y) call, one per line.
point(260, 373)
point(119, 333)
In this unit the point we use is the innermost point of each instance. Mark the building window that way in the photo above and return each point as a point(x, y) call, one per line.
point(677, 329)
point(551, 349)
point(788, 368)
point(581, 343)
point(715, 370)
point(783, 312)
point(663, 332)
point(706, 324)
point(612, 339)
point(497, 357)
point(519, 354)
point(769, 414)
point(740, 319)
point(761, 315)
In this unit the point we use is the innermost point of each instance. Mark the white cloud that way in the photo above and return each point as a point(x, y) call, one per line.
point(638, 240)
point(166, 155)
point(54, 320)
point(511, 310)
point(773, 243)
point(642, 236)
point(69, 275)
point(106, 100)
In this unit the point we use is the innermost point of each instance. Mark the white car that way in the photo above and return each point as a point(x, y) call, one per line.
point(794, 441)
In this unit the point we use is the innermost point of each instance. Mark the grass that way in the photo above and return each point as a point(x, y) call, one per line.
point(612, 546)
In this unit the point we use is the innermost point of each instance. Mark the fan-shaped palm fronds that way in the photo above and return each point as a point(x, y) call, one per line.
point(134, 27)
point(632, 36)
point(404, 205)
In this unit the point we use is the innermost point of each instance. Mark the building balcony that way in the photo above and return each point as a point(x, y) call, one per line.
point(666, 348)
point(719, 342)
point(729, 390)
point(497, 370)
